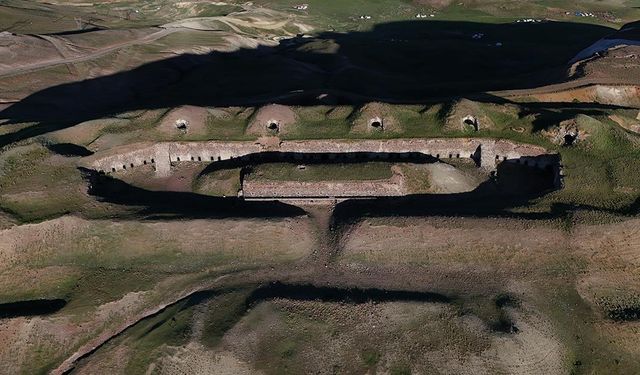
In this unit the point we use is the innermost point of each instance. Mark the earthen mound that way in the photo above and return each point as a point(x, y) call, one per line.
point(467, 115)
point(187, 119)
point(272, 119)
point(374, 118)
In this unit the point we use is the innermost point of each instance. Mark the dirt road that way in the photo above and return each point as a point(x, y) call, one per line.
point(93, 55)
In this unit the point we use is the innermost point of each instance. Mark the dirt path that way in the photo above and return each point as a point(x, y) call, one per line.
point(91, 56)
point(322, 214)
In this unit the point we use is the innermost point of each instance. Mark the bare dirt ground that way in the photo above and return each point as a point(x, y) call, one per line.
point(632, 125)
point(447, 179)
point(196, 359)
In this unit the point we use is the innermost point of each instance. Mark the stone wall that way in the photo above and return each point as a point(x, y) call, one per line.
point(323, 189)
point(487, 152)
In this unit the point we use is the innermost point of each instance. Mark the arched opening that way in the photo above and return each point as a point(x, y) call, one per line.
point(570, 139)
point(182, 124)
point(470, 122)
point(376, 123)
point(273, 126)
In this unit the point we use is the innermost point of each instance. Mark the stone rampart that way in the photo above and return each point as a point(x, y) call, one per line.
point(487, 152)
point(323, 189)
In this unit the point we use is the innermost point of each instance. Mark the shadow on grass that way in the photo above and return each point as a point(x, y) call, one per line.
point(163, 204)
point(398, 62)
point(30, 308)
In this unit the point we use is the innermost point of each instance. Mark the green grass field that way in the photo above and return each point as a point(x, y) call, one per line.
point(322, 172)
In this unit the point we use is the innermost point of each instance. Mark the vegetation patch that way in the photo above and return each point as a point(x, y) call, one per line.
point(322, 172)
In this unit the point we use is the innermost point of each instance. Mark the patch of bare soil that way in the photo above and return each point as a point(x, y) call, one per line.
point(110, 140)
point(20, 50)
point(610, 245)
point(447, 179)
point(317, 337)
point(467, 245)
point(433, 3)
point(611, 293)
point(606, 94)
point(632, 125)
point(272, 119)
point(617, 61)
point(115, 363)
point(197, 360)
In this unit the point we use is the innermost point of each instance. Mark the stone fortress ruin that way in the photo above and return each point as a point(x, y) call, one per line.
point(487, 154)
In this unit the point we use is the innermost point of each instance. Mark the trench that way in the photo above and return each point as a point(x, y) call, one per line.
point(273, 290)
point(308, 292)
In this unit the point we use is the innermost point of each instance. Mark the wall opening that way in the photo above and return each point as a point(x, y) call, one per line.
point(273, 126)
point(376, 123)
point(182, 124)
point(470, 122)
point(570, 139)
